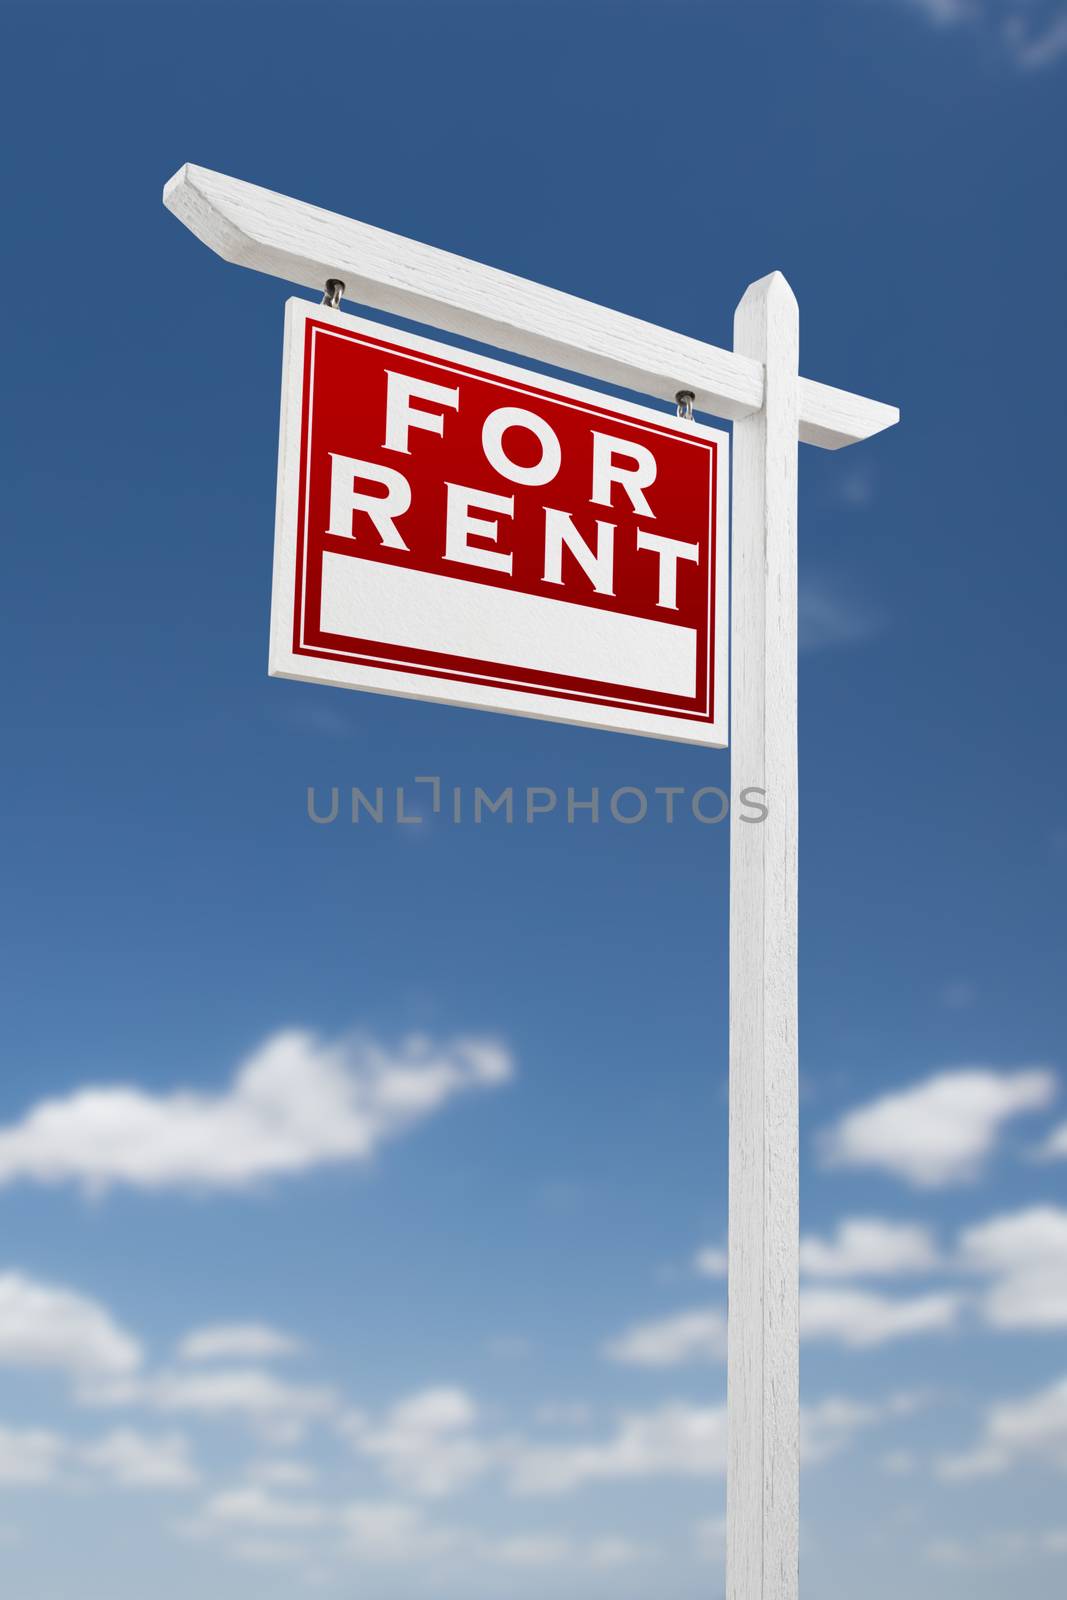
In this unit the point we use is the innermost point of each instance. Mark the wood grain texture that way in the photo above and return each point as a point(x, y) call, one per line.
point(304, 244)
point(763, 1389)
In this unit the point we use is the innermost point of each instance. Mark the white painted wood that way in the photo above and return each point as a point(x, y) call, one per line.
point(304, 244)
point(832, 418)
point(763, 1382)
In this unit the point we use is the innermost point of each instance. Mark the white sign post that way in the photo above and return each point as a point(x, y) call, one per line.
point(758, 386)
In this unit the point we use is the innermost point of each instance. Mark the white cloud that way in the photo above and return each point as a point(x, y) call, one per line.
point(282, 1473)
point(29, 1456)
point(123, 1458)
point(268, 1552)
point(388, 1532)
point(845, 1315)
point(536, 1550)
point(1033, 1429)
point(139, 1461)
point(1055, 1146)
point(854, 486)
point(829, 1426)
point(959, 995)
point(677, 1440)
point(237, 1341)
point(614, 1552)
point(393, 1532)
point(1025, 1254)
point(711, 1262)
point(532, 1550)
point(1035, 47)
point(827, 617)
point(1032, 33)
point(709, 1538)
point(426, 1445)
point(976, 1552)
point(997, 1548)
point(296, 1103)
point(868, 1247)
point(680, 1440)
point(253, 1506)
point(941, 1131)
point(943, 13)
point(279, 1411)
point(860, 1319)
point(698, 1335)
point(45, 1325)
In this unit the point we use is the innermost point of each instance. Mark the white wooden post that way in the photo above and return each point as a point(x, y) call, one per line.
point(763, 1396)
point(303, 244)
point(757, 384)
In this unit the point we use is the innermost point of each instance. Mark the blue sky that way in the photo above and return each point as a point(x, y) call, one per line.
point(362, 1187)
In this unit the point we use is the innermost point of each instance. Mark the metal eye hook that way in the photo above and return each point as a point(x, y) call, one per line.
point(685, 399)
point(334, 290)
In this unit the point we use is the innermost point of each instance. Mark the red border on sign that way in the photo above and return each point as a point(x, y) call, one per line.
point(368, 652)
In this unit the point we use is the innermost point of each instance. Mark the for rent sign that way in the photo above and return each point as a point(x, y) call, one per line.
point(451, 528)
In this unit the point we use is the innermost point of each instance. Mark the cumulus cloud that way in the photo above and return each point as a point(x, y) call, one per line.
point(45, 1325)
point(427, 1444)
point(385, 1532)
point(1030, 1430)
point(29, 1456)
point(1035, 46)
point(1055, 1146)
point(829, 1426)
point(860, 1319)
point(1031, 33)
point(1022, 1255)
point(432, 1444)
point(681, 1440)
point(271, 1553)
point(677, 1440)
point(711, 1262)
point(277, 1410)
point(237, 1341)
point(1025, 1255)
point(298, 1102)
point(281, 1472)
point(135, 1460)
point(828, 617)
point(698, 1335)
point(996, 1548)
point(709, 1538)
point(536, 1550)
point(856, 1318)
point(393, 1531)
point(869, 1247)
point(939, 1132)
point(254, 1506)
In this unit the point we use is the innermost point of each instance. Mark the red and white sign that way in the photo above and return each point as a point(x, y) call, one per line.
point(451, 528)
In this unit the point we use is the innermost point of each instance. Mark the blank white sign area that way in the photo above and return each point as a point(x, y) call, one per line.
point(422, 611)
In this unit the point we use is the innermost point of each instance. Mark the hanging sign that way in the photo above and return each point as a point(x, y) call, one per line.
point(452, 528)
